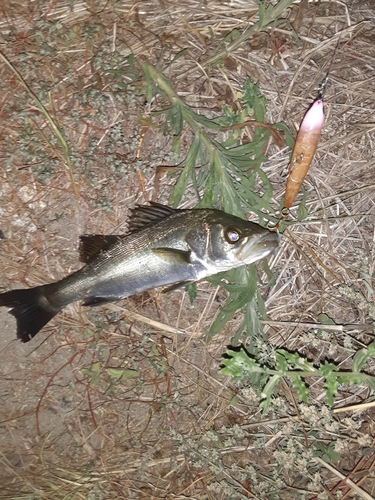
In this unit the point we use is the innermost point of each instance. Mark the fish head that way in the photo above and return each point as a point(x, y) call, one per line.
point(224, 241)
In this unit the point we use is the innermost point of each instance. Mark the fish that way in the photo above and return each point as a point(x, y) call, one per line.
point(164, 247)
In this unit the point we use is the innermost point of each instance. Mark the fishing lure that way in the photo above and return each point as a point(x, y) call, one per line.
point(304, 149)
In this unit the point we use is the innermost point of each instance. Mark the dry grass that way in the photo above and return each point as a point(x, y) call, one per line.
point(180, 429)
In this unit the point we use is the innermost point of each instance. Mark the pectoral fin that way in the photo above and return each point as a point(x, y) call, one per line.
point(173, 255)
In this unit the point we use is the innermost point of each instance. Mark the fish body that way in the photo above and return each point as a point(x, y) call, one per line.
point(165, 247)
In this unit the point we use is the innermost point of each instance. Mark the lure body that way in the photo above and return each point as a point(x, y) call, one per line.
point(304, 150)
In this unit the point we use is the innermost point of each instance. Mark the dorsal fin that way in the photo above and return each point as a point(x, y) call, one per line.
point(91, 245)
point(143, 215)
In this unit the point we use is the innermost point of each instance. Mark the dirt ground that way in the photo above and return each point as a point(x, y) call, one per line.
point(127, 400)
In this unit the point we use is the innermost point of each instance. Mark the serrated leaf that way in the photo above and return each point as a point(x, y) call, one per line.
point(253, 324)
point(331, 386)
point(246, 156)
point(353, 378)
point(222, 318)
point(291, 357)
point(212, 185)
point(327, 369)
point(214, 124)
point(252, 99)
point(281, 363)
point(370, 380)
point(302, 389)
point(176, 146)
point(304, 365)
point(239, 364)
point(296, 361)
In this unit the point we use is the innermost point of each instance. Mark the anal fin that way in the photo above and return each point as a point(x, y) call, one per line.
point(97, 301)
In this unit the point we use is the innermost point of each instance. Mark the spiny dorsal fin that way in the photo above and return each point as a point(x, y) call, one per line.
point(143, 215)
point(91, 245)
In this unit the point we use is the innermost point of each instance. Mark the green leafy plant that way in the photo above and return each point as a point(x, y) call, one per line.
point(242, 367)
point(227, 175)
point(93, 373)
point(267, 16)
point(122, 374)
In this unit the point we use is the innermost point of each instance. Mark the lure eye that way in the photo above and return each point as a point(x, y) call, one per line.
point(232, 234)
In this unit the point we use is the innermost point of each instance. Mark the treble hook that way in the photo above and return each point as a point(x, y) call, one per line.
point(322, 88)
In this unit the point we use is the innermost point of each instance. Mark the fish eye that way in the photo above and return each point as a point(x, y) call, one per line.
point(232, 234)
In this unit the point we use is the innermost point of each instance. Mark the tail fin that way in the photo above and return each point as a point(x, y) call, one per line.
point(31, 309)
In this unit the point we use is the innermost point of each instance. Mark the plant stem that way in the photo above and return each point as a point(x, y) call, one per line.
point(269, 17)
point(164, 85)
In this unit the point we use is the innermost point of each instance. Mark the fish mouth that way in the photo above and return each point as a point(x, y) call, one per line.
point(259, 248)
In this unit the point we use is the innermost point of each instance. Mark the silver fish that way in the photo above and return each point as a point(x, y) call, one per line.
point(164, 247)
